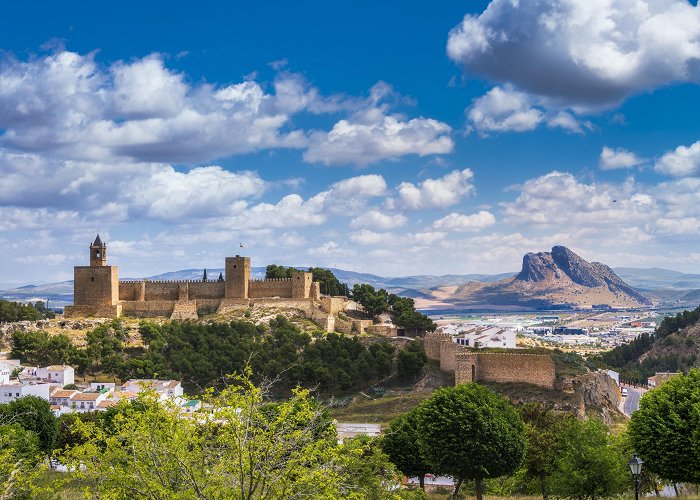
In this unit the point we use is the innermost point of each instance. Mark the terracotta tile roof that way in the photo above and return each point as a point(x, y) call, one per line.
point(62, 393)
point(106, 404)
point(86, 396)
point(57, 368)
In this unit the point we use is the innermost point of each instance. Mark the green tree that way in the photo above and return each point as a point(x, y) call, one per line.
point(401, 444)
point(34, 414)
point(241, 448)
point(665, 431)
point(470, 433)
point(373, 301)
point(591, 464)
point(328, 282)
point(410, 361)
point(274, 271)
point(204, 276)
point(544, 430)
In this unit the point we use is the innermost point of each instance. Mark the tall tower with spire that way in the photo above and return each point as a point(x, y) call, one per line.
point(98, 253)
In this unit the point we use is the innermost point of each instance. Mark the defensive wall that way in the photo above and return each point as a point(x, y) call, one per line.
point(473, 366)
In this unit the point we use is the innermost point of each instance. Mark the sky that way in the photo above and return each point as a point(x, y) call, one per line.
point(390, 137)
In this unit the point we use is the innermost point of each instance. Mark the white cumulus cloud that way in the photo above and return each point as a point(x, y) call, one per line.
point(437, 193)
point(373, 134)
point(375, 219)
point(462, 222)
point(611, 159)
point(588, 53)
point(681, 162)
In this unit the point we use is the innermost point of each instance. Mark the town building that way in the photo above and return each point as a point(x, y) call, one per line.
point(486, 337)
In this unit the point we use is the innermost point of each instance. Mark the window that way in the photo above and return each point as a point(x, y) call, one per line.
point(18, 394)
point(92, 279)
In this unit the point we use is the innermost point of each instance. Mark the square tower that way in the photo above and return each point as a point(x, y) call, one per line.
point(237, 277)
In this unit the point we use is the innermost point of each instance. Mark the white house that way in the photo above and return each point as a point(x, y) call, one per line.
point(164, 388)
point(87, 401)
point(14, 390)
point(60, 374)
point(487, 337)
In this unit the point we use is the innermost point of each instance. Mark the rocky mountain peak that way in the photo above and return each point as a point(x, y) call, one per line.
point(563, 265)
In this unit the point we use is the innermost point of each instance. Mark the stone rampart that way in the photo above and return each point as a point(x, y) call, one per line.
point(501, 367)
point(86, 311)
point(148, 308)
point(270, 288)
point(382, 330)
point(432, 342)
point(206, 290)
point(162, 290)
point(333, 305)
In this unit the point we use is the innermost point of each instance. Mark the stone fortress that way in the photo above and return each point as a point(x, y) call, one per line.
point(98, 292)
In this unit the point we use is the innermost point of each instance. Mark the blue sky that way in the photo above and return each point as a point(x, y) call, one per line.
point(386, 137)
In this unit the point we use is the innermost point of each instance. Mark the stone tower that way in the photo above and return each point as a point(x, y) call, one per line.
point(95, 287)
point(237, 277)
point(98, 253)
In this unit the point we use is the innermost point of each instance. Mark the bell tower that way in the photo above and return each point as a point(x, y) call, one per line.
point(98, 253)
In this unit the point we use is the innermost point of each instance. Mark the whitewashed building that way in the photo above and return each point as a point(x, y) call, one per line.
point(59, 374)
point(486, 337)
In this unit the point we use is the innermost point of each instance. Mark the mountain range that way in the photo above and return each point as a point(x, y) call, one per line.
point(555, 278)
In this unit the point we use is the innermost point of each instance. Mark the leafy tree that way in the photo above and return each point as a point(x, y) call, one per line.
point(328, 283)
point(373, 301)
point(591, 464)
point(274, 271)
point(221, 277)
point(33, 414)
point(470, 433)
point(40, 348)
point(665, 431)
point(19, 458)
point(544, 430)
point(242, 449)
point(410, 360)
point(15, 311)
point(401, 444)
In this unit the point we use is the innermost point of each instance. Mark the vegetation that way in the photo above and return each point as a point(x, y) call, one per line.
point(665, 431)
point(243, 448)
point(470, 433)
point(15, 311)
point(626, 358)
point(402, 309)
point(202, 354)
point(328, 283)
point(401, 444)
point(410, 361)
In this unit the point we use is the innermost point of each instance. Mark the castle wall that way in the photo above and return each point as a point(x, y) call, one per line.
point(148, 308)
point(270, 288)
point(469, 365)
point(96, 285)
point(537, 369)
point(206, 290)
point(162, 290)
point(432, 342)
point(333, 305)
point(99, 311)
point(301, 285)
point(237, 277)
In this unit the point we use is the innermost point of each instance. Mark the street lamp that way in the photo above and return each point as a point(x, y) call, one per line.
point(635, 464)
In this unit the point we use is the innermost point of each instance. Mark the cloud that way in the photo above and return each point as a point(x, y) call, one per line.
point(372, 134)
point(681, 162)
point(362, 185)
point(461, 222)
point(67, 105)
point(611, 159)
point(559, 199)
point(437, 193)
point(375, 219)
point(586, 53)
point(504, 109)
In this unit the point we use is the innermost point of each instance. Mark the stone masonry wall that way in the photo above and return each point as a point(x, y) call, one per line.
point(162, 290)
point(270, 288)
point(206, 290)
point(431, 343)
point(469, 365)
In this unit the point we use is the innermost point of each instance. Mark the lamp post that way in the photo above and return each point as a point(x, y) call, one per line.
point(635, 464)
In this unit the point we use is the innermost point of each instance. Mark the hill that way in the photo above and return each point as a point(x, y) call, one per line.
point(674, 346)
point(556, 279)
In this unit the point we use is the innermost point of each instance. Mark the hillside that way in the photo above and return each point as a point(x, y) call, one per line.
point(675, 346)
point(555, 279)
